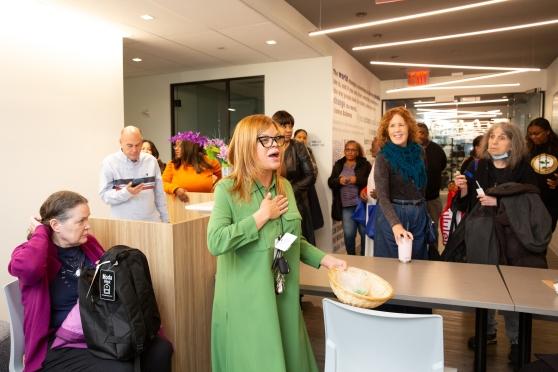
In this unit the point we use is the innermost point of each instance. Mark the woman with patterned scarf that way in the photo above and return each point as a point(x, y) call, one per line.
point(400, 178)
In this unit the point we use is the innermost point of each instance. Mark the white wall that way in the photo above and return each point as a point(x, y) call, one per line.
point(61, 100)
point(551, 90)
point(357, 112)
point(302, 87)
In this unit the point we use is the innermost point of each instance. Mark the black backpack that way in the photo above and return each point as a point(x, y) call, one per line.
point(119, 312)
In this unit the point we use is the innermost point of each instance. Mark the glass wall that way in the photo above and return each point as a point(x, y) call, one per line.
point(214, 107)
point(454, 125)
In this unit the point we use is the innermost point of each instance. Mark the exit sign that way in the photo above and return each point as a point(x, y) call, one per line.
point(417, 77)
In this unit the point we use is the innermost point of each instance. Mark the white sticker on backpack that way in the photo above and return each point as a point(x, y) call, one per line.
point(107, 285)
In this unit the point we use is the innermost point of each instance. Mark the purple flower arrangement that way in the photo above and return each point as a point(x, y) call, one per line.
point(214, 148)
point(194, 137)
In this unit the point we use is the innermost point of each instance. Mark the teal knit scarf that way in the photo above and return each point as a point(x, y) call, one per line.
point(407, 161)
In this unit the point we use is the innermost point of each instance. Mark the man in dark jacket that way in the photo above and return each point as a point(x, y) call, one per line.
point(436, 161)
point(299, 170)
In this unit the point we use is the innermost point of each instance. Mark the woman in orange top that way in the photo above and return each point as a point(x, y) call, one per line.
point(190, 170)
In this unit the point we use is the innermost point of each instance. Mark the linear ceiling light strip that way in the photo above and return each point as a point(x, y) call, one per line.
point(455, 111)
point(404, 18)
point(482, 86)
point(455, 36)
point(424, 87)
point(460, 67)
point(457, 103)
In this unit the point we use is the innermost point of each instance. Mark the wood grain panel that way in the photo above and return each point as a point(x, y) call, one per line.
point(183, 273)
point(155, 241)
point(177, 212)
point(194, 270)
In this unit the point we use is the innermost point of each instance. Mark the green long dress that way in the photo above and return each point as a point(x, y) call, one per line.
point(253, 329)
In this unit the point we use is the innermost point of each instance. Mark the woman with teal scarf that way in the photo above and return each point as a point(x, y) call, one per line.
point(400, 177)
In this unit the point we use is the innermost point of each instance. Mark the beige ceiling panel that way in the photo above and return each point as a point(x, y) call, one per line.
point(128, 12)
point(172, 52)
point(214, 14)
point(255, 36)
point(222, 47)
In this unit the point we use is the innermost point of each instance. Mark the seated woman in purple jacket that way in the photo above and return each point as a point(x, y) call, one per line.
point(48, 266)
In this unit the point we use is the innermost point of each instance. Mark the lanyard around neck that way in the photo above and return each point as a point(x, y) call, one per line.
point(280, 217)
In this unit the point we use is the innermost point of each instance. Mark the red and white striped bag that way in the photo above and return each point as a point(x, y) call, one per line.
point(446, 226)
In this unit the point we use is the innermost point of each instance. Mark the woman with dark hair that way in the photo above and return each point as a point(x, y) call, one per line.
point(301, 136)
point(298, 169)
point(48, 266)
point(149, 147)
point(506, 222)
point(400, 176)
point(474, 155)
point(348, 176)
point(190, 170)
point(542, 143)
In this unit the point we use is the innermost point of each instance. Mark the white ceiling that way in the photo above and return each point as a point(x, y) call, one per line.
point(200, 34)
point(193, 34)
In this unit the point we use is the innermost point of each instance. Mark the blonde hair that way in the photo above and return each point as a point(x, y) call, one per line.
point(382, 133)
point(518, 148)
point(243, 155)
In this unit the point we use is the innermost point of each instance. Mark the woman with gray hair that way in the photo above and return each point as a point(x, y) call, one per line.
point(48, 266)
point(506, 222)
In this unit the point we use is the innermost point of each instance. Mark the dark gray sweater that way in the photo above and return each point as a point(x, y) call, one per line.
point(391, 185)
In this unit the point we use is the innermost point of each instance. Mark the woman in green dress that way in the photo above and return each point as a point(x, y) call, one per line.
point(257, 324)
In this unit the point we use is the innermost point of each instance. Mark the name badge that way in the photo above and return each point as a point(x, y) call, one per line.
point(285, 242)
point(106, 285)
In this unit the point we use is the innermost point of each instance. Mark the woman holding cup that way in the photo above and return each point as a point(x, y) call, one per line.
point(493, 193)
point(400, 175)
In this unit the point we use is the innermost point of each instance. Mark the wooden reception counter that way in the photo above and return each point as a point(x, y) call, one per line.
point(183, 274)
point(177, 209)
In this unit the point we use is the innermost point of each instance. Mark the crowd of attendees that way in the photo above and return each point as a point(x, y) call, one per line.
point(271, 195)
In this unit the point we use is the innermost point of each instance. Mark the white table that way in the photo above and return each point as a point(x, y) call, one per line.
point(530, 296)
point(431, 284)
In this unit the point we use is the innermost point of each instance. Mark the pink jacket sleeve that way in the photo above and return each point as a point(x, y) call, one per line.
point(29, 259)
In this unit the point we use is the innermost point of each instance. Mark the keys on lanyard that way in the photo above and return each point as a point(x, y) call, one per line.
point(280, 268)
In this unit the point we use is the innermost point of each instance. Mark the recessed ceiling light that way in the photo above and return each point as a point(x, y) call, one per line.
point(137, 59)
point(147, 17)
point(271, 42)
point(455, 36)
point(462, 67)
point(404, 18)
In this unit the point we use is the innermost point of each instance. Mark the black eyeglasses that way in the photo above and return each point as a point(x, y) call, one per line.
point(267, 141)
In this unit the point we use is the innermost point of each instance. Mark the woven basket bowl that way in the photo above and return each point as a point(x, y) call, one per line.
point(377, 289)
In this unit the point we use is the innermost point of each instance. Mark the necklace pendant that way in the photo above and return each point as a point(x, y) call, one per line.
point(77, 273)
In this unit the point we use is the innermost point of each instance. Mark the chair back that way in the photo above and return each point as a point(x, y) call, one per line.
point(17, 340)
point(359, 340)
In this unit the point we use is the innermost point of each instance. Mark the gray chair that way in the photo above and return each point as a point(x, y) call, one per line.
point(361, 340)
point(15, 310)
point(4, 345)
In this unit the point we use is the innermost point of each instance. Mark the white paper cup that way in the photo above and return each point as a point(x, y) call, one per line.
point(405, 249)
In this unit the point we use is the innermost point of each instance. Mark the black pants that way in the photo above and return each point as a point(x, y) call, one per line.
point(155, 359)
